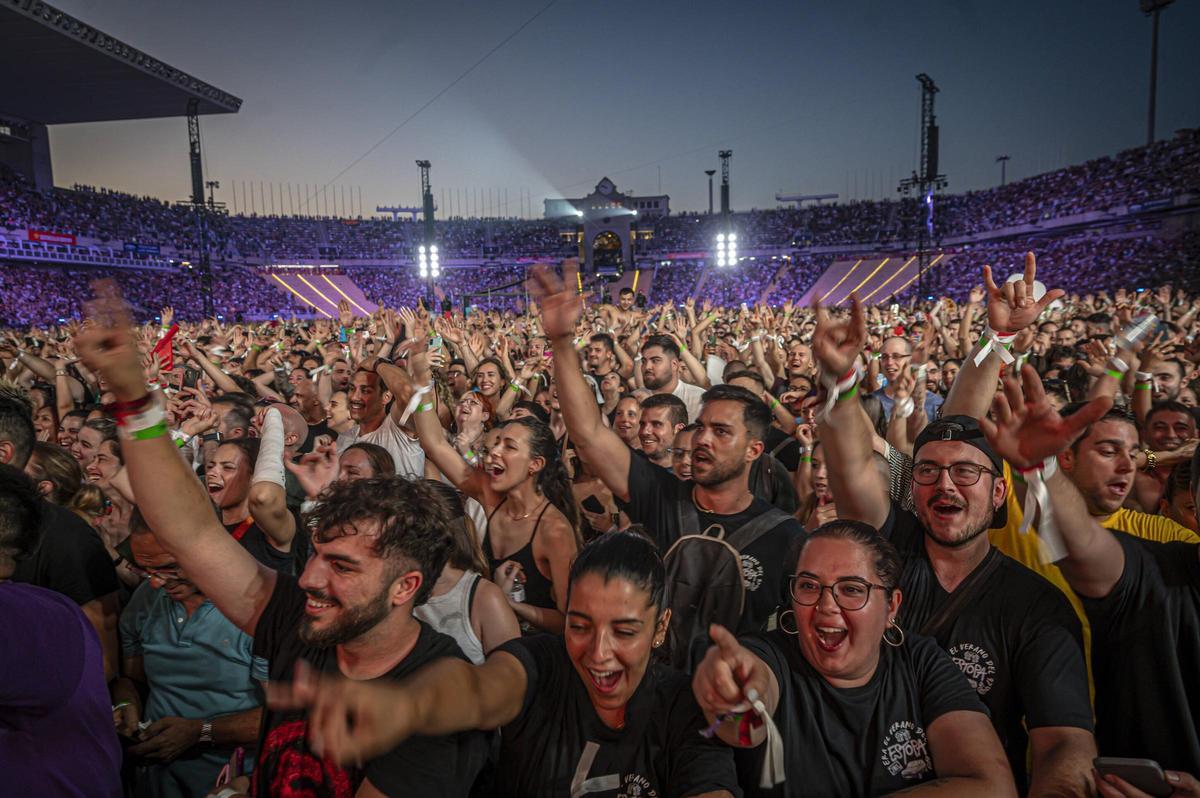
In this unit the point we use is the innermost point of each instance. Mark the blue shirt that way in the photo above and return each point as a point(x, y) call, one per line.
point(932, 402)
point(197, 667)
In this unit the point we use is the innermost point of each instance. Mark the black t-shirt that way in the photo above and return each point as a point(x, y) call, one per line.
point(654, 495)
point(788, 453)
point(426, 766)
point(315, 431)
point(659, 752)
point(255, 541)
point(1146, 655)
point(1016, 639)
point(69, 558)
point(859, 741)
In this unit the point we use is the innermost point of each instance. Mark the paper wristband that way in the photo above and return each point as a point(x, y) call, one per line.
point(415, 402)
point(998, 342)
point(904, 407)
point(841, 388)
point(1037, 497)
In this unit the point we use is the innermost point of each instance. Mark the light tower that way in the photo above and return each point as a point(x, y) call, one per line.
point(726, 244)
point(710, 173)
point(725, 155)
point(428, 259)
point(927, 182)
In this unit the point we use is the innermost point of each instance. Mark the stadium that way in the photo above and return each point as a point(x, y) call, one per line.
point(301, 498)
point(1137, 207)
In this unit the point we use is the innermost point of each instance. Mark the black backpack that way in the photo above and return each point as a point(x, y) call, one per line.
point(705, 583)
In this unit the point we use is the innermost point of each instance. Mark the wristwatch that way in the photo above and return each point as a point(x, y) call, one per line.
point(206, 732)
point(211, 437)
point(1151, 460)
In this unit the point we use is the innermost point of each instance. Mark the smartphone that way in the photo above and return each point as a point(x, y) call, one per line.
point(592, 505)
point(190, 378)
point(1145, 774)
point(435, 343)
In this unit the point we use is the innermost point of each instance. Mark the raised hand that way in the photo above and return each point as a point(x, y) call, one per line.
point(1027, 429)
point(107, 346)
point(837, 344)
point(168, 315)
point(562, 307)
point(1013, 307)
point(316, 471)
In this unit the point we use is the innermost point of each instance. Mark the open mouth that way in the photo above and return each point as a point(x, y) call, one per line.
point(214, 489)
point(605, 681)
point(1117, 488)
point(831, 638)
point(947, 510)
point(317, 606)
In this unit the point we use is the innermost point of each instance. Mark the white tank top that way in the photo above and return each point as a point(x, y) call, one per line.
point(450, 614)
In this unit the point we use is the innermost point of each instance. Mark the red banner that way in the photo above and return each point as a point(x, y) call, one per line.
point(51, 238)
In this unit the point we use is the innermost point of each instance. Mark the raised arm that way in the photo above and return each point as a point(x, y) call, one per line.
point(859, 490)
point(170, 498)
point(1027, 430)
point(1010, 309)
point(220, 379)
point(598, 445)
point(462, 474)
point(268, 499)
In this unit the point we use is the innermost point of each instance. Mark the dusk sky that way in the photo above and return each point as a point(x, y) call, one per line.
point(813, 97)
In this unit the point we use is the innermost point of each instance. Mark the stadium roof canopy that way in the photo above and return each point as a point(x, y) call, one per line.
point(58, 69)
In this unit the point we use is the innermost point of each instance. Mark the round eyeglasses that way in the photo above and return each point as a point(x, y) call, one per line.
point(850, 593)
point(962, 474)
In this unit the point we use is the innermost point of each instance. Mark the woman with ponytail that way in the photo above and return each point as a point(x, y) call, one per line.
point(533, 524)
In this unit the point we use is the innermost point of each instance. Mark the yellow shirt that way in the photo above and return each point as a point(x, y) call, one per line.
point(1026, 548)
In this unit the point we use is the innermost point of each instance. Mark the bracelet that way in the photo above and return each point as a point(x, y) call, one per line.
point(999, 342)
point(806, 458)
point(1116, 375)
point(774, 403)
point(1143, 376)
point(1151, 460)
point(60, 372)
point(1142, 386)
point(1118, 365)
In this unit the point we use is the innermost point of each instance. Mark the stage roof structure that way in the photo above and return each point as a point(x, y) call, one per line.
point(60, 70)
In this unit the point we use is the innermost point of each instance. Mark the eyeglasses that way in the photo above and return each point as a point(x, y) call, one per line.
point(963, 475)
point(166, 573)
point(850, 593)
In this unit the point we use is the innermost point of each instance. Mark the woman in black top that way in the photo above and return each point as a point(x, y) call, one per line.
point(861, 711)
point(592, 717)
point(533, 524)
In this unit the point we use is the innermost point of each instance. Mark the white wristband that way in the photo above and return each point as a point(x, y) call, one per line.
point(269, 466)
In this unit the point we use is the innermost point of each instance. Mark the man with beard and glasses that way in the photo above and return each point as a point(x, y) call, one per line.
point(379, 546)
point(660, 367)
point(729, 437)
point(1011, 632)
point(1142, 598)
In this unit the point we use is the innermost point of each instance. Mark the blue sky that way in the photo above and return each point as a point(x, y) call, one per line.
point(813, 97)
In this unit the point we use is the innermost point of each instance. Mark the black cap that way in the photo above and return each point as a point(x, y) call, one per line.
point(965, 429)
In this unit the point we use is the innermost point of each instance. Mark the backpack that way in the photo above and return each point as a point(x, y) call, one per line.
point(705, 584)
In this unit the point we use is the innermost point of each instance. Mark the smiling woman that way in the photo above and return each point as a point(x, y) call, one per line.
point(862, 708)
point(596, 711)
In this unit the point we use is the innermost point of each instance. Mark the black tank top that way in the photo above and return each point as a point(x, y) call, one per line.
point(538, 589)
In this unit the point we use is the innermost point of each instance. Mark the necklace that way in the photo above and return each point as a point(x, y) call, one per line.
point(531, 512)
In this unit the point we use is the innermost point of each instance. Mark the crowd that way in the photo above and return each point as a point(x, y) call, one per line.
point(1160, 172)
point(582, 546)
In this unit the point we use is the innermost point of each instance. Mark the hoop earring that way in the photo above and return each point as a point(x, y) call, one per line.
point(892, 641)
point(794, 630)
